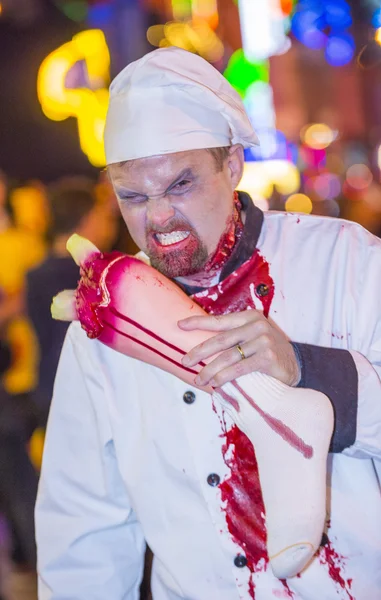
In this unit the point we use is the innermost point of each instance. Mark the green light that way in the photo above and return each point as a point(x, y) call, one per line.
point(182, 9)
point(241, 73)
point(76, 10)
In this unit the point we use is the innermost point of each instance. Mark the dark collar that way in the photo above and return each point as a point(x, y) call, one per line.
point(246, 245)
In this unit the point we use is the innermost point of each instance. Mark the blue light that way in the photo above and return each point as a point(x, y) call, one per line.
point(307, 28)
point(322, 24)
point(376, 19)
point(99, 15)
point(273, 145)
point(338, 15)
point(340, 49)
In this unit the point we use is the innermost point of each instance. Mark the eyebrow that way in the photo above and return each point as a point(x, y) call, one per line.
point(185, 173)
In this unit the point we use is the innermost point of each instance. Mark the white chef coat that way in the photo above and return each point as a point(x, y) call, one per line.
point(127, 460)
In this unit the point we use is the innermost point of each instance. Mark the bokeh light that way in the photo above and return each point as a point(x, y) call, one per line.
point(259, 104)
point(325, 186)
point(193, 36)
point(262, 29)
point(318, 136)
point(359, 177)
point(260, 178)
point(340, 49)
point(242, 73)
point(299, 203)
point(273, 145)
point(324, 24)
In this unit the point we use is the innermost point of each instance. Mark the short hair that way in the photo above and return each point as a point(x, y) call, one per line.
point(219, 155)
point(71, 199)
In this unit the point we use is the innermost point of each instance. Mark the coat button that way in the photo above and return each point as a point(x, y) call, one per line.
point(189, 397)
point(262, 289)
point(213, 479)
point(240, 561)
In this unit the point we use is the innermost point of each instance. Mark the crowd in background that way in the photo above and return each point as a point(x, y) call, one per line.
point(35, 223)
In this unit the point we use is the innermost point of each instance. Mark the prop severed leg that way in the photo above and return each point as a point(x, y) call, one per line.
point(134, 309)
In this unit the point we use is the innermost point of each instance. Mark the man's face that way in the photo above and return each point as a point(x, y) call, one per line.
point(177, 206)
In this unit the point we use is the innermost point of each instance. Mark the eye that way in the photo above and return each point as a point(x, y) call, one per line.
point(131, 199)
point(181, 185)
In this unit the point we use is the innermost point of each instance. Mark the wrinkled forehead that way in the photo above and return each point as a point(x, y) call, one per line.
point(159, 168)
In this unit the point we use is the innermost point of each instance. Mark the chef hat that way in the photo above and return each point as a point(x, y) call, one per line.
point(169, 101)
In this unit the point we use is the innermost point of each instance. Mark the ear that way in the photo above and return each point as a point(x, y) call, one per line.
point(235, 164)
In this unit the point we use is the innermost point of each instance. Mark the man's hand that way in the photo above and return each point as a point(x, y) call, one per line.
point(266, 349)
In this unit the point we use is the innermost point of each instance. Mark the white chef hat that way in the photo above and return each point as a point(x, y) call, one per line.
point(169, 101)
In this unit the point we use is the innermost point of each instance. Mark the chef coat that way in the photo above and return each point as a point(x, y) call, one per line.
point(135, 455)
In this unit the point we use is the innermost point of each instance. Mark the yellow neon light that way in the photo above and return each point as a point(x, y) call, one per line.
point(87, 105)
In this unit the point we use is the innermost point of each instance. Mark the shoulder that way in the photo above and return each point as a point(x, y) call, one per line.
point(311, 230)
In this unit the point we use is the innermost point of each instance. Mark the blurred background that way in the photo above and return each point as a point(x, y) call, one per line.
point(309, 75)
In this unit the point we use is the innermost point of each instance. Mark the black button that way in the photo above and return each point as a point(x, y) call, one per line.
point(213, 479)
point(324, 540)
point(240, 561)
point(189, 397)
point(262, 289)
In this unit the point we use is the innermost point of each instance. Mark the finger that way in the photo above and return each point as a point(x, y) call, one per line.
point(255, 330)
point(229, 358)
point(232, 372)
point(264, 361)
point(215, 345)
point(220, 322)
point(259, 356)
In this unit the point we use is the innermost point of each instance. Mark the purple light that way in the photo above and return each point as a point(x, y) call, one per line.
point(273, 145)
point(340, 49)
point(305, 27)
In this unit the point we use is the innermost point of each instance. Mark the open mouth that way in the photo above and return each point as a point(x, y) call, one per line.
point(168, 239)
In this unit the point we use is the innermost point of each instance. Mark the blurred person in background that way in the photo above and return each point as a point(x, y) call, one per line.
point(76, 206)
point(21, 247)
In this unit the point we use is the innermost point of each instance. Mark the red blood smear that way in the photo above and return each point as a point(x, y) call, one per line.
point(245, 511)
point(130, 337)
point(243, 496)
point(228, 240)
point(276, 425)
point(233, 294)
point(89, 293)
point(285, 585)
point(151, 333)
point(228, 398)
point(328, 556)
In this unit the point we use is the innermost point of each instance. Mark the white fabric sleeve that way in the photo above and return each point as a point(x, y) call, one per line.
point(90, 545)
point(366, 352)
point(368, 427)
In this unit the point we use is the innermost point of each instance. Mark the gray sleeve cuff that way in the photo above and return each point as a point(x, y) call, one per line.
point(333, 372)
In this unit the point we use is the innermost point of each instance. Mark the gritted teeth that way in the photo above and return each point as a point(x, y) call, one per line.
point(166, 239)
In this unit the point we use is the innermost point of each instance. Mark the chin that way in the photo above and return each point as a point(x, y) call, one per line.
point(178, 265)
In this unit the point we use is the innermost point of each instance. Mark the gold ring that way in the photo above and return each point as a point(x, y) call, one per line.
point(241, 352)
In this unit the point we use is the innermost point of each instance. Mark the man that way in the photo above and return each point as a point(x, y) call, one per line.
point(134, 454)
point(73, 207)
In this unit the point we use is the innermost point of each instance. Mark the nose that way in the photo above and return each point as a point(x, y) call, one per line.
point(159, 211)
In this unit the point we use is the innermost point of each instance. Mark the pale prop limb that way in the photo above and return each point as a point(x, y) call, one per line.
point(290, 430)
point(125, 304)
